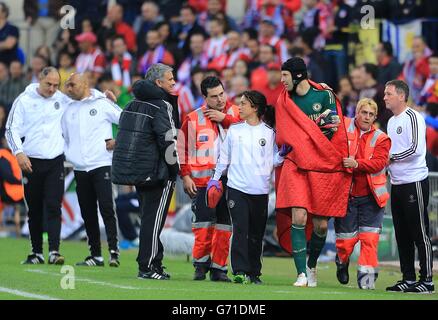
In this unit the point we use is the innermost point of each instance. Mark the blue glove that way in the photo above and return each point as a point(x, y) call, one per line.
point(212, 183)
point(284, 150)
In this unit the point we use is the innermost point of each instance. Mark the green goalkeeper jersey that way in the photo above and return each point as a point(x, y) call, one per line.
point(314, 103)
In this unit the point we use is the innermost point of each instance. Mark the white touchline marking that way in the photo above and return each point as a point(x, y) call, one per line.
point(26, 294)
point(108, 284)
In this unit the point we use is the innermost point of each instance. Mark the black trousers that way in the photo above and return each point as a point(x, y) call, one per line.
point(154, 203)
point(249, 214)
point(43, 190)
point(411, 224)
point(95, 187)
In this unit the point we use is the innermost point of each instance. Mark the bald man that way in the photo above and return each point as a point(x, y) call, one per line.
point(34, 135)
point(87, 129)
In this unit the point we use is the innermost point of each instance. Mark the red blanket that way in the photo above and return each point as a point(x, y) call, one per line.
point(312, 175)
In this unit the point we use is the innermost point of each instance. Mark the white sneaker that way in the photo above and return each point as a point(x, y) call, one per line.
point(301, 280)
point(311, 277)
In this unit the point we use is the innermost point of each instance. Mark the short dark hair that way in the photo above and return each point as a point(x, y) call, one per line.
point(252, 33)
point(118, 36)
point(400, 86)
point(387, 48)
point(273, 49)
point(189, 7)
point(371, 69)
point(5, 8)
point(209, 83)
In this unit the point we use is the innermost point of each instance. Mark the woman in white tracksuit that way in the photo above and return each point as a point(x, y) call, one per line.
point(249, 152)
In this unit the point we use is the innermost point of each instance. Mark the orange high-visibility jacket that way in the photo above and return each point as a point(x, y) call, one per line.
point(201, 143)
point(14, 191)
point(376, 181)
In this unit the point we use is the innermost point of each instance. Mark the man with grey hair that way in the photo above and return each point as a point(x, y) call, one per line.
point(162, 76)
point(34, 135)
point(145, 156)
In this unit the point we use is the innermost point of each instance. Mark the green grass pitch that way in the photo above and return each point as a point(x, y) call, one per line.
point(44, 281)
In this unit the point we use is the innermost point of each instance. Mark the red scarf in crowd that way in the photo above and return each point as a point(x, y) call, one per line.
point(121, 73)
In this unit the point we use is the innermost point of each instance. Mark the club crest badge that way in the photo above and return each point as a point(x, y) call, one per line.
point(93, 112)
point(262, 142)
point(56, 105)
point(317, 107)
point(399, 130)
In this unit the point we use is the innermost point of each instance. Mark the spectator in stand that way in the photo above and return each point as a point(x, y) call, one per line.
point(253, 46)
point(389, 68)
point(430, 89)
point(4, 76)
point(336, 48)
point(240, 68)
point(197, 58)
point(186, 28)
point(416, 70)
point(281, 12)
point(9, 36)
point(123, 97)
point(227, 75)
point(45, 52)
point(348, 97)
point(259, 76)
point(197, 75)
point(373, 90)
point(131, 8)
point(65, 67)
point(316, 64)
point(214, 9)
point(114, 20)
point(238, 85)
point(87, 26)
point(217, 44)
point(274, 86)
point(248, 34)
point(150, 16)
point(168, 41)
point(357, 79)
point(91, 59)
point(267, 36)
point(65, 42)
point(156, 53)
point(42, 17)
point(122, 64)
point(95, 9)
point(15, 85)
point(37, 64)
point(233, 53)
point(317, 18)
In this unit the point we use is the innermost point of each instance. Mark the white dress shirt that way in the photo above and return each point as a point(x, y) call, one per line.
point(38, 120)
point(86, 125)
